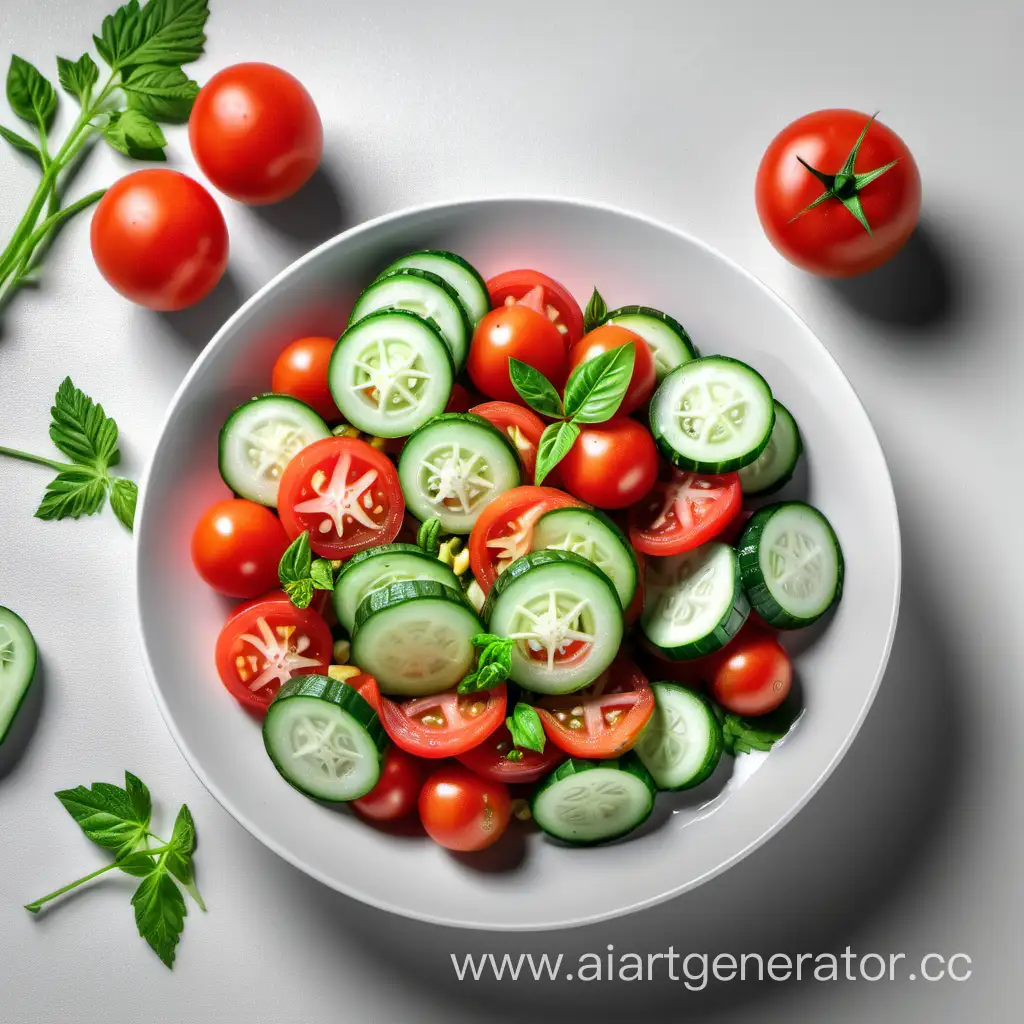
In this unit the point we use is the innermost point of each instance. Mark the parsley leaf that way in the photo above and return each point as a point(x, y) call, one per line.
point(116, 819)
point(160, 912)
point(162, 93)
point(82, 430)
point(168, 32)
point(77, 78)
point(72, 493)
point(124, 496)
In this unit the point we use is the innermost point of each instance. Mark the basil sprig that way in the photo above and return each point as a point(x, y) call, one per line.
point(525, 727)
point(301, 575)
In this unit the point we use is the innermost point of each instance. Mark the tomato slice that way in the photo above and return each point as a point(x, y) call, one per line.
point(368, 688)
point(504, 530)
point(522, 427)
point(683, 512)
point(555, 301)
point(265, 643)
point(489, 759)
point(605, 719)
point(345, 493)
point(444, 724)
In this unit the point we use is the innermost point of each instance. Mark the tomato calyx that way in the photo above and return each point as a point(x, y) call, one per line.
point(845, 186)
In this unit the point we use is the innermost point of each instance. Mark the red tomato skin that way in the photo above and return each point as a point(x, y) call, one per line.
point(301, 371)
point(256, 133)
point(604, 339)
point(752, 676)
point(611, 465)
point(463, 812)
point(828, 240)
point(513, 332)
point(237, 546)
point(488, 760)
point(397, 791)
point(159, 239)
point(518, 283)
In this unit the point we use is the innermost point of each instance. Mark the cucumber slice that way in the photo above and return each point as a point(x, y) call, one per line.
point(390, 373)
point(260, 438)
point(379, 567)
point(556, 603)
point(791, 564)
point(461, 275)
point(587, 802)
point(324, 738)
point(695, 602)
point(426, 295)
point(415, 638)
point(774, 467)
point(669, 343)
point(453, 467)
point(712, 415)
point(17, 666)
point(681, 744)
point(587, 532)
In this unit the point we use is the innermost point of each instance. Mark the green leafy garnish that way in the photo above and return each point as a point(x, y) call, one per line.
point(535, 389)
point(300, 575)
point(525, 726)
point(428, 536)
point(596, 311)
point(743, 735)
point(553, 446)
point(493, 664)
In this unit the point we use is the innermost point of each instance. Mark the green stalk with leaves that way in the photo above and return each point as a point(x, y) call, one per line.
point(144, 49)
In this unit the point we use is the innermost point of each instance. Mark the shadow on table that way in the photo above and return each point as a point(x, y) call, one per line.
point(316, 212)
point(195, 326)
point(25, 723)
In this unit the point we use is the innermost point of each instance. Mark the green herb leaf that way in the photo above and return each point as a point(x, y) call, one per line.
point(322, 574)
point(22, 145)
point(428, 536)
point(160, 913)
point(167, 32)
point(137, 864)
point(526, 729)
point(743, 735)
point(486, 639)
point(30, 95)
point(596, 311)
point(82, 430)
point(553, 446)
point(74, 492)
point(116, 819)
point(162, 93)
point(182, 843)
point(493, 666)
point(595, 389)
point(124, 496)
point(535, 389)
point(77, 78)
point(300, 592)
point(134, 134)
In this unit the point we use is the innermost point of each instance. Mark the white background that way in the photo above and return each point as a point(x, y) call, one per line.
point(912, 846)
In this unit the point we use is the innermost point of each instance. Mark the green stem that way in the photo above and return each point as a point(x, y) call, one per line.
point(35, 906)
point(14, 453)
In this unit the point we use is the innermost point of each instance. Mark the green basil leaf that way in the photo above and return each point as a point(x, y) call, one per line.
point(78, 77)
point(73, 493)
point(535, 389)
point(596, 311)
point(300, 592)
point(162, 93)
point(160, 913)
point(82, 430)
point(182, 843)
point(296, 562)
point(525, 726)
point(22, 145)
point(168, 32)
point(322, 574)
point(134, 134)
point(428, 536)
point(138, 864)
point(116, 819)
point(553, 446)
point(124, 496)
point(30, 95)
point(596, 388)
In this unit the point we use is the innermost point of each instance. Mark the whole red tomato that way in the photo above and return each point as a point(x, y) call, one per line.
point(301, 371)
point(256, 133)
point(751, 676)
point(159, 239)
point(462, 811)
point(397, 789)
point(871, 186)
point(603, 339)
point(611, 465)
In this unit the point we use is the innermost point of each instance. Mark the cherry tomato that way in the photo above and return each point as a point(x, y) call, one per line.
point(612, 464)
point(301, 371)
point(753, 675)
point(489, 759)
point(605, 719)
point(684, 511)
point(604, 339)
point(461, 811)
point(444, 724)
point(159, 239)
point(556, 302)
point(265, 643)
point(522, 426)
point(256, 133)
point(830, 239)
point(345, 493)
point(514, 332)
point(504, 531)
point(397, 789)
point(236, 547)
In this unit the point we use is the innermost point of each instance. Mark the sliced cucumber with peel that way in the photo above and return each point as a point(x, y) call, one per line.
point(588, 802)
point(17, 666)
point(712, 415)
point(260, 438)
point(774, 467)
point(666, 337)
point(791, 564)
point(695, 603)
point(461, 275)
point(415, 637)
point(324, 738)
point(682, 743)
point(454, 466)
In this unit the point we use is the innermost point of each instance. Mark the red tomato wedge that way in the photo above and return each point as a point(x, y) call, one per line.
point(444, 724)
point(265, 643)
point(605, 719)
point(683, 512)
point(522, 427)
point(345, 493)
point(489, 759)
point(555, 301)
point(504, 530)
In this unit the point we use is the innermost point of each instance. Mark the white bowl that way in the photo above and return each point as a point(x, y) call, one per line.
point(527, 882)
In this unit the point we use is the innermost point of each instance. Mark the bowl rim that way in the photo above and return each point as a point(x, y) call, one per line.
point(382, 904)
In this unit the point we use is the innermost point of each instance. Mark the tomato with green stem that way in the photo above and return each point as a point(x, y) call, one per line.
point(462, 811)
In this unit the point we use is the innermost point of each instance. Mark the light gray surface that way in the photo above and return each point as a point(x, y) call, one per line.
point(913, 844)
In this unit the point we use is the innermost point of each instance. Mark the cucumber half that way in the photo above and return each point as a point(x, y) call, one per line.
point(774, 467)
point(324, 738)
point(461, 275)
point(712, 415)
point(681, 744)
point(667, 338)
point(791, 564)
point(17, 666)
point(588, 802)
